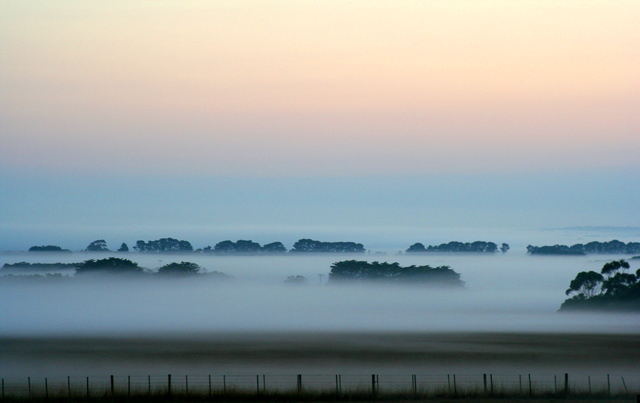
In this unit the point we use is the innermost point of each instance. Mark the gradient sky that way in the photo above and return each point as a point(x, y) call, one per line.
point(421, 97)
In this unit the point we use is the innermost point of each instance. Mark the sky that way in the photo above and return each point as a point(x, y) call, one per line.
point(165, 116)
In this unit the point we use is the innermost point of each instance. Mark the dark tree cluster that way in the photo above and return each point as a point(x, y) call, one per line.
point(163, 245)
point(611, 247)
point(613, 289)
point(477, 247)
point(47, 248)
point(118, 267)
point(311, 246)
point(245, 247)
point(354, 271)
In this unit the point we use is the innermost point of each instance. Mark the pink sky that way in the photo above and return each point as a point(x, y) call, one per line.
point(289, 88)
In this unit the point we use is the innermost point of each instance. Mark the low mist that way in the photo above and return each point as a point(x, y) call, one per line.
point(502, 293)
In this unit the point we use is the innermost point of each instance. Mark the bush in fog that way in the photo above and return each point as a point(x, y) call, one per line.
point(296, 280)
point(612, 289)
point(179, 269)
point(354, 271)
point(47, 248)
point(112, 265)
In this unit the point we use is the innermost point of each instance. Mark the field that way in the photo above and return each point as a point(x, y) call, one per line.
point(276, 365)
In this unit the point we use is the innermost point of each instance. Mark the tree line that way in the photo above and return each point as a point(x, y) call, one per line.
point(595, 247)
point(456, 247)
point(305, 245)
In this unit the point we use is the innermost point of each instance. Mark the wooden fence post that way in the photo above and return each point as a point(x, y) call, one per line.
point(128, 385)
point(209, 386)
point(373, 384)
point(258, 384)
point(149, 383)
point(566, 383)
point(29, 385)
point(299, 379)
point(46, 388)
point(608, 386)
point(530, 387)
point(112, 386)
point(455, 387)
point(520, 382)
point(186, 385)
point(484, 380)
point(224, 384)
point(414, 378)
point(491, 380)
point(169, 384)
point(87, 387)
point(68, 386)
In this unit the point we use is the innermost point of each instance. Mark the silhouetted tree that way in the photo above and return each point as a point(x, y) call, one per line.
point(416, 248)
point(611, 289)
point(274, 247)
point(123, 248)
point(98, 246)
point(505, 248)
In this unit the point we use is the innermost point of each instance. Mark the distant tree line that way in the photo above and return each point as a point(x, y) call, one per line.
point(354, 271)
point(245, 247)
point(613, 289)
point(477, 247)
point(311, 246)
point(611, 247)
point(163, 245)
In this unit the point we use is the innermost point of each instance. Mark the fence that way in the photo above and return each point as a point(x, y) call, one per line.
point(408, 386)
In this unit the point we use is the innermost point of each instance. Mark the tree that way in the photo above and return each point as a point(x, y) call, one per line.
point(123, 248)
point(98, 246)
point(505, 248)
point(416, 248)
point(274, 247)
point(179, 269)
point(112, 265)
point(612, 268)
point(611, 289)
point(586, 284)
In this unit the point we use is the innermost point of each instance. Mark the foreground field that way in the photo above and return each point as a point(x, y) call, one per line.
point(253, 364)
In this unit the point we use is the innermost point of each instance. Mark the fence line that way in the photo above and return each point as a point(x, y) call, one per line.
point(412, 385)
